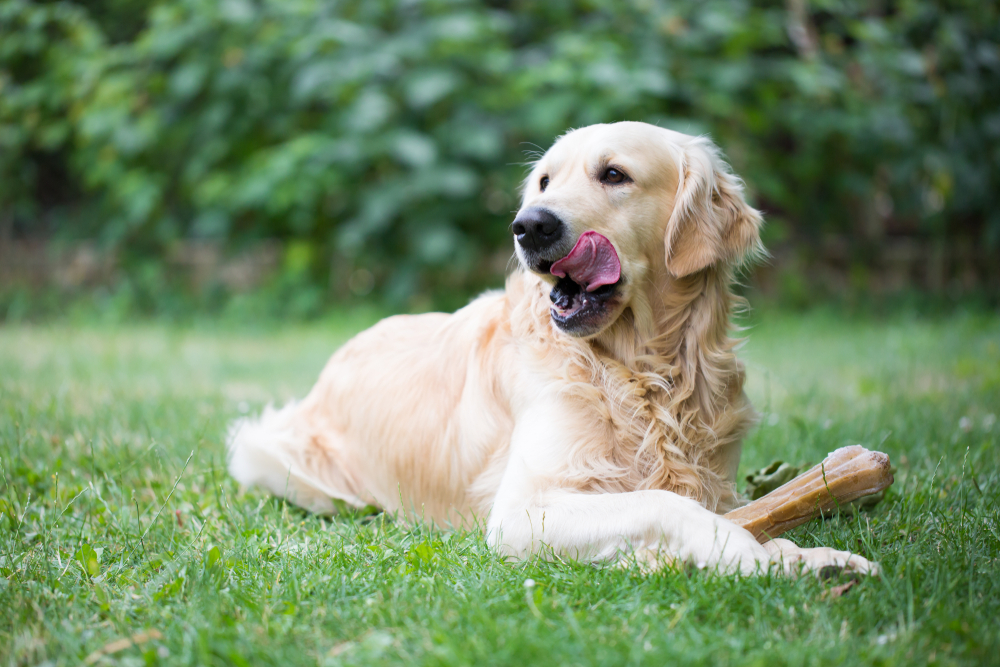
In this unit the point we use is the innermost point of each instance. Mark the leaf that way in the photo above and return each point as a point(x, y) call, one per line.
point(8, 513)
point(122, 644)
point(426, 88)
point(414, 149)
point(170, 589)
point(762, 482)
point(212, 557)
point(89, 560)
point(837, 591)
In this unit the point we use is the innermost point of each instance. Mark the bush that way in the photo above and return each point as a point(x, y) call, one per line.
point(390, 135)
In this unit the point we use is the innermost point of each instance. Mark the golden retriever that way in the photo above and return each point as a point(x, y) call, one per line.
point(594, 408)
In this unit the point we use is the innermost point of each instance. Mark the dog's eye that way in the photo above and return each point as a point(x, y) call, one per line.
point(613, 176)
point(544, 183)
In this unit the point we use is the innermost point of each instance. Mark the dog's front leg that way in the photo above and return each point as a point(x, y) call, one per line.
point(653, 525)
point(533, 511)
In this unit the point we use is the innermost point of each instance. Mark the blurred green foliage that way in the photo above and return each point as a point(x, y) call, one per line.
point(391, 134)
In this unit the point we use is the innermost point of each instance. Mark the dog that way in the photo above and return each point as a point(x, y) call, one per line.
point(594, 409)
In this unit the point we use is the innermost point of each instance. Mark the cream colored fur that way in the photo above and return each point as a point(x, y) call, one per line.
point(624, 444)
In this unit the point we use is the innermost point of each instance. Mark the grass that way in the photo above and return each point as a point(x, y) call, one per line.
point(118, 520)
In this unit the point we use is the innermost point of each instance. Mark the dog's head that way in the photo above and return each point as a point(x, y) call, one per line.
point(612, 210)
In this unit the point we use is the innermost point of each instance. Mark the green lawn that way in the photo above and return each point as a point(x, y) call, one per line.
point(119, 520)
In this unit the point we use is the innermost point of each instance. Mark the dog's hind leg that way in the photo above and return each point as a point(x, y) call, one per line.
point(279, 453)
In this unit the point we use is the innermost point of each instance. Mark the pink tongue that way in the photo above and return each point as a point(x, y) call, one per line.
point(591, 263)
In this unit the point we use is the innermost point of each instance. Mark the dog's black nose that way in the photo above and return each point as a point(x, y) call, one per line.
point(537, 229)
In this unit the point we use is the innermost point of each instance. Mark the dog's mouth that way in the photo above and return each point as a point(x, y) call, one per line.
point(577, 311)
point(588, 286)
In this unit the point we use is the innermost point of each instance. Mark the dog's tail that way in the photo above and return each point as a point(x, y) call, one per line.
point(269, 451)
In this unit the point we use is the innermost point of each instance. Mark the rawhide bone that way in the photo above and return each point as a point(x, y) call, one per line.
point(844, 475)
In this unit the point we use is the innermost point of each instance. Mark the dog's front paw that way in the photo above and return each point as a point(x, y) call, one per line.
point(827, 562)
point(824, 561)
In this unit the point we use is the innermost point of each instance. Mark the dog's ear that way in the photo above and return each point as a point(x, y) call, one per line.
point(711, 221)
